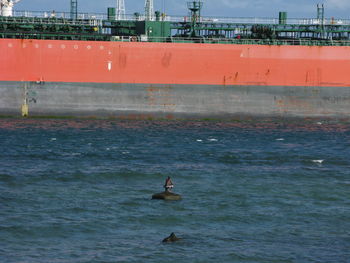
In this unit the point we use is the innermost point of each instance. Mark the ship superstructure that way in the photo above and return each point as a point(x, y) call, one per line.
point(6, 7)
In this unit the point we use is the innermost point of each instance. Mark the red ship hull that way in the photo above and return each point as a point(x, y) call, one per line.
point(292, 80)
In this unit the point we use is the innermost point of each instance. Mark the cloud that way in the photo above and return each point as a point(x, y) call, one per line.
point(337, 4)
point(261, 4)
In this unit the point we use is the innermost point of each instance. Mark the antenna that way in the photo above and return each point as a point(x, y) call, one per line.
point(120, 10)
point(149, 10)
point(73, 9)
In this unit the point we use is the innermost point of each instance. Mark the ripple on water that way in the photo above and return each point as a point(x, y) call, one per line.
point(80, 191)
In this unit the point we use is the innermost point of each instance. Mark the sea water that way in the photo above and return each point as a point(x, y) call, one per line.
point(253, 191)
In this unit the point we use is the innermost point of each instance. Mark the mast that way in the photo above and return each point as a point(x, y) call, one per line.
point(73, 9)
point(320, 17)
point(120, 10)
point(149, 10)
point(195, 8)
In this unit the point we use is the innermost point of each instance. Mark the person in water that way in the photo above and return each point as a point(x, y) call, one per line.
point(168, 184)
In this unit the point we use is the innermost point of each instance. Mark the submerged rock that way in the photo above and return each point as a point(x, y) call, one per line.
point(166, 195)
point(171, 238)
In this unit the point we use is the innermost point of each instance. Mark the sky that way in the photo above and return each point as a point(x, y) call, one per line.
point(218, 8)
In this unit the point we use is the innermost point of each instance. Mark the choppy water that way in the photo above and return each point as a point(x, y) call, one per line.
point(79, 191)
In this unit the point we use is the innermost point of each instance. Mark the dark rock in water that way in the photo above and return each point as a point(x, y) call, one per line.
point(171, 238)
point(167, 196)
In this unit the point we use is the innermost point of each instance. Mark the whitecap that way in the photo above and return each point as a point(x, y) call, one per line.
point(319, 123)
point(70, 154)
point(53, 139)
point(213, 140)
point(280, 139)
point(318, 161)
point(199, 140)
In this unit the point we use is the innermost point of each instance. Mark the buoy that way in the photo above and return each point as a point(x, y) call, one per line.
point(167, 194)
point(171, 238)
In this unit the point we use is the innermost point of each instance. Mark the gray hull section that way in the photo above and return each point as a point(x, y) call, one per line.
point(144, 100)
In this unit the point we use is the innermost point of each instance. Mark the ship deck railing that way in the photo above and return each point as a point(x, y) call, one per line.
point(51, 20)
point(204, 19)
point(64, 15)
point(292, 42)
